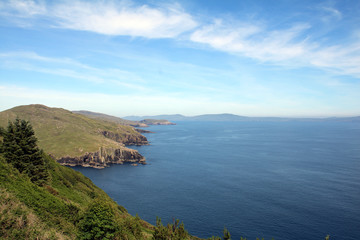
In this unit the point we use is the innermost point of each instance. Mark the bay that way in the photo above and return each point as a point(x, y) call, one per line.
point(281, 180)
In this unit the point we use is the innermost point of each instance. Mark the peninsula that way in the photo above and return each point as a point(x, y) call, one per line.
point(77, 140)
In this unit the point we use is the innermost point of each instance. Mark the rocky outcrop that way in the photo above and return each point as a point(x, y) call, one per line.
point(138, 124)
point(127, 139)
point(156, 122)
point(104, 157)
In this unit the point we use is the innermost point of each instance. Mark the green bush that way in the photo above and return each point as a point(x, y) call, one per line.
point(98, 222)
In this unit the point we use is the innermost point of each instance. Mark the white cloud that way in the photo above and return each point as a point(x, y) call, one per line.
point(105, 17)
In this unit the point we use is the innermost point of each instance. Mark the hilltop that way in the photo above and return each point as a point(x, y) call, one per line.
point(74, 139)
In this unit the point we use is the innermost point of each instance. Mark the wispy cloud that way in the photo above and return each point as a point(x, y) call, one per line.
point(253, 41)
point(292, 47)
point(105, 17)
point(339, 59)
point(65, 67)
point(333, 12)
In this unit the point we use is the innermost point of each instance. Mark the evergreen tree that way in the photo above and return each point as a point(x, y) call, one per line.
point(20, 149)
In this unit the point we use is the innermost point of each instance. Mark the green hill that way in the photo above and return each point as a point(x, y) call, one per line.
point(74, 138)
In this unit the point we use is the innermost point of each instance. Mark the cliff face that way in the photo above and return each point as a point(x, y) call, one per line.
point(104, 157)
point(126, 139)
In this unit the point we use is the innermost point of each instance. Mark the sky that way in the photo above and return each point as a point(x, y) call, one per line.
point(288, 58)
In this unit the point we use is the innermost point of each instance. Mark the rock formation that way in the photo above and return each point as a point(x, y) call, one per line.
point(104, 157)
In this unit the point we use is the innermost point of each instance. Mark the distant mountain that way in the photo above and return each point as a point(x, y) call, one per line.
point(226, 117)
point(175, 117)
point(74, 139)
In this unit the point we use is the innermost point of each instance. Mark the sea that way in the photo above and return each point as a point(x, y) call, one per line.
point(281, 180)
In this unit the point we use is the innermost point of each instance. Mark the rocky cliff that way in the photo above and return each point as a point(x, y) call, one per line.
point(104, 157)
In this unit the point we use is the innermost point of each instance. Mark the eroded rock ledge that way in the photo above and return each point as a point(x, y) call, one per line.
point(104, 157)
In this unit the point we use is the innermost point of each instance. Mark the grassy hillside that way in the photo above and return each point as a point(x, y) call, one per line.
point(63, 133)
point(56, 210)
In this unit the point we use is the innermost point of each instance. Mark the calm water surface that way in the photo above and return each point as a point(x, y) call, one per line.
point(286, 180)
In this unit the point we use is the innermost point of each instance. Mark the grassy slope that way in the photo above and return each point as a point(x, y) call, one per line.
point(52, 211)
point(63, 133)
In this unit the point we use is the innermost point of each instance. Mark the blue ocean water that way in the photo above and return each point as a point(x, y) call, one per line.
point(281, 180)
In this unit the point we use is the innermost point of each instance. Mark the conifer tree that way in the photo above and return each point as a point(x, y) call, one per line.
point(20, 149)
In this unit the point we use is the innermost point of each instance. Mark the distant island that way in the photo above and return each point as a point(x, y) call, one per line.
point(236, 118)
point(156, 122)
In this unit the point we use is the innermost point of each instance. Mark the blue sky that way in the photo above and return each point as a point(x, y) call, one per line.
point(246, 57)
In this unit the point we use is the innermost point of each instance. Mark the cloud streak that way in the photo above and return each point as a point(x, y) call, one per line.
point(30, 61)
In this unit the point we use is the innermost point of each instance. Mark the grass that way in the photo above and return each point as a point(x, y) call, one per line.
point(63, 133)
